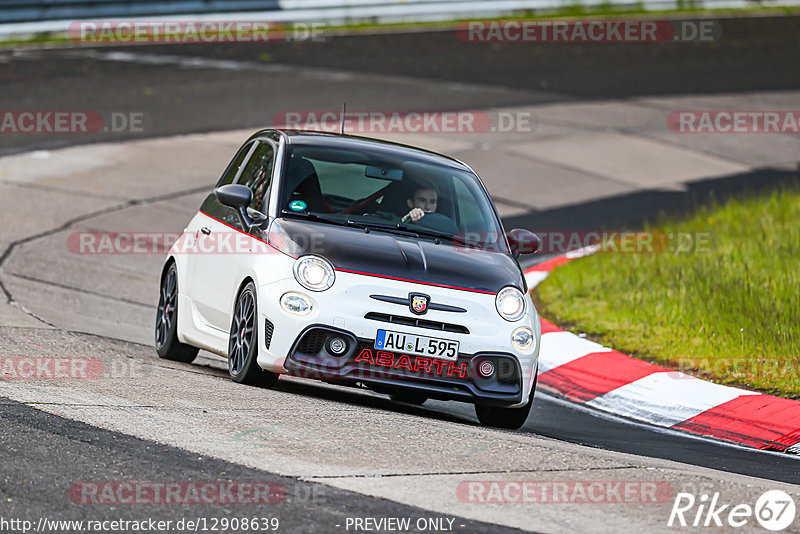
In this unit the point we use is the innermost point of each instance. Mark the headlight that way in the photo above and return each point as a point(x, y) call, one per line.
point(296, 303)
point(314, 273)
point(510, 303)
point(522, 338)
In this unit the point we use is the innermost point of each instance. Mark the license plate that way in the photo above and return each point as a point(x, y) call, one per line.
point(411, 344)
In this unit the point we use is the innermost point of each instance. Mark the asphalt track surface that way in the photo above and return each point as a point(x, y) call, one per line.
point(197, 99)
point(38, 481)
point(753, 54)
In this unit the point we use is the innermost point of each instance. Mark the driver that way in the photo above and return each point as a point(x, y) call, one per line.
point(424, 199)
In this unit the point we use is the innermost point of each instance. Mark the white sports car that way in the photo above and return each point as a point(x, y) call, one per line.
point(359, 262)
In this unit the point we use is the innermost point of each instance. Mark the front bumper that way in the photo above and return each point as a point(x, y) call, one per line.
point(386, 372)
point(349, 307)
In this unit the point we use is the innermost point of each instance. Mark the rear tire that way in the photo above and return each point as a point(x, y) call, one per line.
point(166, 332)
point(508, 418)
point(243, 342)
point(409, 397)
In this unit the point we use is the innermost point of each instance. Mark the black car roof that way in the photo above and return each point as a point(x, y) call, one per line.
point(354, 142)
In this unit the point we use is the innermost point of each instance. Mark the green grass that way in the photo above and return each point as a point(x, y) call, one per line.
point(729, 313)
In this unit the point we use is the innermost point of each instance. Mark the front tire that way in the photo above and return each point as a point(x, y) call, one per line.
point(166, 332)
point(508, 418)
point(243, 342)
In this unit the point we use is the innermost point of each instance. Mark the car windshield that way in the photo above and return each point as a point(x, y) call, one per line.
point(388, 192)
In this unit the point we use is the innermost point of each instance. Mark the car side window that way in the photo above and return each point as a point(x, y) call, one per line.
point(469, 215)
point(233, 167)
point(257, 174)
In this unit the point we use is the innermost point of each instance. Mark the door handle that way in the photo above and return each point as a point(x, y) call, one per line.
point(206, 230)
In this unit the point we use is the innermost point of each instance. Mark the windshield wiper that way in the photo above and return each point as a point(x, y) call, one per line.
point(393, 228)
point(349, 222)
point(417, 231)
point(433, 233)
point(314, 217)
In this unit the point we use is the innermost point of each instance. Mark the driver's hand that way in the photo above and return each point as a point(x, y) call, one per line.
point(415, 215)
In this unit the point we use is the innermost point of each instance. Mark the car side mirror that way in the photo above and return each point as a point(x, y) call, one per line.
point(238, 197)
point(523, 242)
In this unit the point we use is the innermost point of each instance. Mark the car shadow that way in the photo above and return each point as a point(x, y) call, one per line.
point(340, 393)
point(355, 396)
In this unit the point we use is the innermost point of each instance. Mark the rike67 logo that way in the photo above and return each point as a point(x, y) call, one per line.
point(774, 510)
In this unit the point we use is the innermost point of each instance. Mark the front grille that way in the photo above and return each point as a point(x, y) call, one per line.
point(419, 323)
point(269, 328)
point(407, 301)
point(312, 342)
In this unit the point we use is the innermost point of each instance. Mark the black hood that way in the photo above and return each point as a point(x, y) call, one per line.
point(388, 255)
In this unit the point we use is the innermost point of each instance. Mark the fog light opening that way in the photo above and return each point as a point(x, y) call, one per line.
point(337, 346)
point(486, 369)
